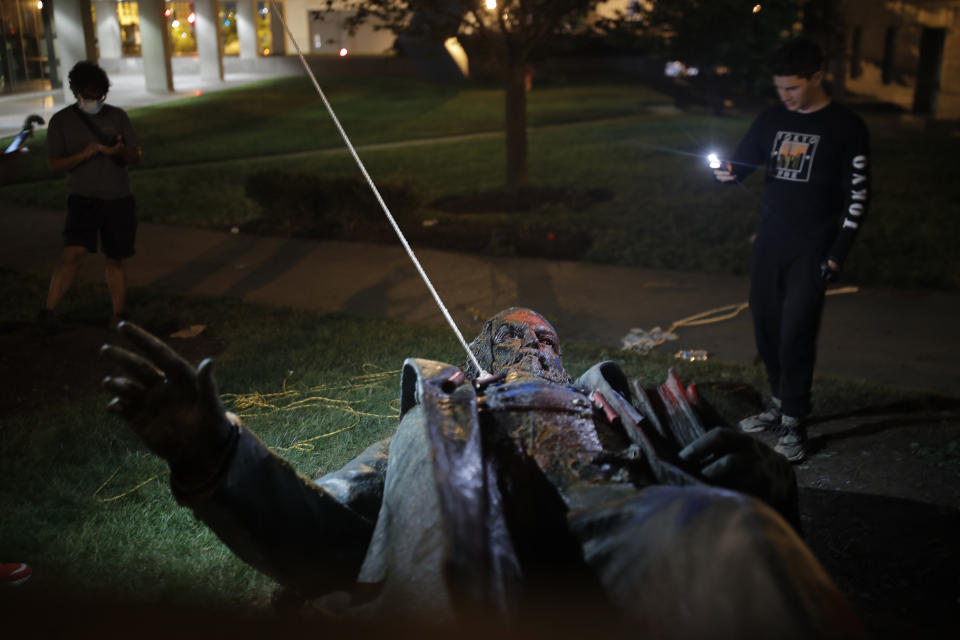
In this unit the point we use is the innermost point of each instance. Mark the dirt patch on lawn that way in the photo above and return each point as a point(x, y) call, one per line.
point(297, 205)
point(60, 364)
point(522, 200)
point(879, 495)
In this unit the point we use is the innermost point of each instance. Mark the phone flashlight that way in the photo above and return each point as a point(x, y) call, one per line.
point(714, 161)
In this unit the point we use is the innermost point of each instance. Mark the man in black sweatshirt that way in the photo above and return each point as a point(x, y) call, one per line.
point(815, 153)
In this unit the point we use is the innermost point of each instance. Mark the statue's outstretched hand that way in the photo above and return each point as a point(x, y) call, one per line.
point(173, 408)
point(734, 460)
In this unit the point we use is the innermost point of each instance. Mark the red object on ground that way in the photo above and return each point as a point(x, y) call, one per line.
point(14, 573)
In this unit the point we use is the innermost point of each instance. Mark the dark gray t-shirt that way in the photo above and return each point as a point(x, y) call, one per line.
point(100, 176)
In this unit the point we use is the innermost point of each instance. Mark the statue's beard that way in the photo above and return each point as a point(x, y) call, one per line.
point(528, 363)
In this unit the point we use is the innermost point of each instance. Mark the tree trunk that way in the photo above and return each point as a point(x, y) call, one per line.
point(827, 22)
point(516, 123)
point(890, 54)
point(840, 65)
point(929, 71)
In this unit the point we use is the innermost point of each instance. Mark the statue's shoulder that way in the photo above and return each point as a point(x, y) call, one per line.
point(420, 377)
point(426, 367)
point(606, 374)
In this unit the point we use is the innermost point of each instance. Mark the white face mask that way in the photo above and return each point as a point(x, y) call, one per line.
point(91, 107)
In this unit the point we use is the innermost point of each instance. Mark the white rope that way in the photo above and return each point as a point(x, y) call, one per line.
point(376, 193)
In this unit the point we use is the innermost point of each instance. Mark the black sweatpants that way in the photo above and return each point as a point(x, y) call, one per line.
point(786, 300)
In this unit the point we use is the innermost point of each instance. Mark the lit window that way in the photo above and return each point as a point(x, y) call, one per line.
point(128, 15)
point(183, 36)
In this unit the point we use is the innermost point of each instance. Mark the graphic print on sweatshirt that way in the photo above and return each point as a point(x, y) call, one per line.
point(792, 155)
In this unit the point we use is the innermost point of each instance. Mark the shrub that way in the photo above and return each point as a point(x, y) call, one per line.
point(300, 204)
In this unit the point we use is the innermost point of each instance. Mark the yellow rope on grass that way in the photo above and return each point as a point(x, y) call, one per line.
point(710, 316)
point(125, 493)
point(259, 404)
point(304, 445)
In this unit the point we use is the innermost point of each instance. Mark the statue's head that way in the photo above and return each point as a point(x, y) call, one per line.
point(522, 344)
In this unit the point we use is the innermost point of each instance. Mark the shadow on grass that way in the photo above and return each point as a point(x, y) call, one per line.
point(59, 364)
point(819, 443)
point(925, 403)
point(896, 415)
point(298, 205)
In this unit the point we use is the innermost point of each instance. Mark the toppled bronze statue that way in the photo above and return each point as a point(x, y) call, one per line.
point(505, 496)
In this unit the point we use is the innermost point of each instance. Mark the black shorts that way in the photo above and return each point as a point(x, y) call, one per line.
point(114, 220)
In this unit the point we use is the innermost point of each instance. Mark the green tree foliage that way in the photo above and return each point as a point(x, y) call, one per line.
point(728, 38)
point(508, 36)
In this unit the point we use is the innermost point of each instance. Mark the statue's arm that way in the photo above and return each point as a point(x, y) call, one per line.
point(281, 522)
point(308, 535)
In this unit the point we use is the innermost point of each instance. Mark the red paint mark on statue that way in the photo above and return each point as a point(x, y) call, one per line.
point(601, 402)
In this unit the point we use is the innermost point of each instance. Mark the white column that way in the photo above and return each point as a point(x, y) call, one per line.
point(278, 34)
point(155, 47)
point(209, 49)
point(108, 29)
point(75, 38)
point(247, 29)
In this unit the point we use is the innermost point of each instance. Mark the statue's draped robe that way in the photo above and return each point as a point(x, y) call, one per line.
point(533, 499)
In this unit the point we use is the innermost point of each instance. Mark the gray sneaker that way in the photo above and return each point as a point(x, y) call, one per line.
point(792, 444)
point(769, 419)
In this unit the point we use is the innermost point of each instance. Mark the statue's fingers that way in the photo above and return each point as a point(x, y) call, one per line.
point(714, 443)
point(208, 386)
point(135, 365)
point(122, 386)
point(125, 407)
point(734, 465)
point(168, 360)
point(208, 389)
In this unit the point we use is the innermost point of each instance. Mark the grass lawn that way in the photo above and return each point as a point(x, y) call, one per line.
point(636, 191)
point(90, 509)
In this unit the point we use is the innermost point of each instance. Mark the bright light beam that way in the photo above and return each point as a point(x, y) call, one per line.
point(693, 139)
point(680, 152)
point(714, 160)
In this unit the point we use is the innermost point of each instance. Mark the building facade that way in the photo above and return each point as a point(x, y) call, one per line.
point(905, 52)
point(900, 46)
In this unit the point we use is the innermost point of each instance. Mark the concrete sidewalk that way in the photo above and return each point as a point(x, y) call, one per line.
point(901, 338)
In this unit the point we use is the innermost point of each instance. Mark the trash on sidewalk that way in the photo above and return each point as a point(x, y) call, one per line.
point(691, 355)
point(192, 332)
point(643, 341)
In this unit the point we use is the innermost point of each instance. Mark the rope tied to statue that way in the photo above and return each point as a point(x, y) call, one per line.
point(376, 192)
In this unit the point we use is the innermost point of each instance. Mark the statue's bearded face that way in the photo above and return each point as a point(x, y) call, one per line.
point(525, 345)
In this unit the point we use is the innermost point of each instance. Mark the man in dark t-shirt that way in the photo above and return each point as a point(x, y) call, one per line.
point(815, 154)
point(93, 143)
